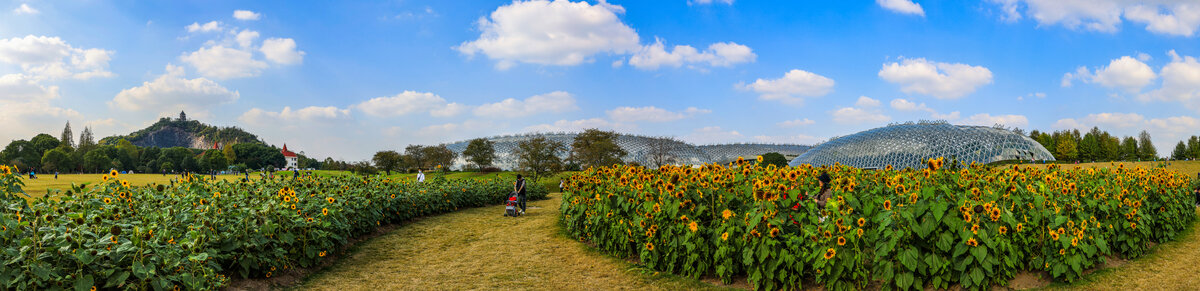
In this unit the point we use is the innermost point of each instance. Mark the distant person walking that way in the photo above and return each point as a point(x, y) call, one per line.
point(421, 176)
point(519, 187)
point(561, 184)
point(56, 175)
point(295, 173)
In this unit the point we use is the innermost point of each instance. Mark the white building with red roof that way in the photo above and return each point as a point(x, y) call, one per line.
point(290, 157)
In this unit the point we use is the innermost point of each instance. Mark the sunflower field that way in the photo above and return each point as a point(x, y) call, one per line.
point(971, 226)
point(194, 234)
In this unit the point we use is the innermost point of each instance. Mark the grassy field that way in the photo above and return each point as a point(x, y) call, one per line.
point(38, 187)
point(479, 249)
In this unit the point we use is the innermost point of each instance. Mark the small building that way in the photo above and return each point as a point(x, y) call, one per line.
point(291, 159)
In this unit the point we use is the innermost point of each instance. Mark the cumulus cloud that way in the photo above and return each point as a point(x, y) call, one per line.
point(851, 115)
point(409, 102)
point(1103, 120)
point(724, 54)
point(580, 125)
point(25, 9)
point(19, 87)
point(902, 6)
point(984, 119)
point(259, 117)
point(171, 92)
point(553, 102)
point(246, 15)
point(796, 123)
point(940, 80)
point(211, 26)
point(1125, 73)
point(792, 87)
point(909, 106)
point(1180, 18)
point(713, 135)
point(651, 114)
point(245, 38)
point(551, 33)
point(1180, 82)
point(864, 101)
point(224, 62)
point(44, 57)
point(23, 120)
point(282, 51)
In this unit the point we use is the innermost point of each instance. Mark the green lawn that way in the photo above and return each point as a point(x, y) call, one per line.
point(38, 187)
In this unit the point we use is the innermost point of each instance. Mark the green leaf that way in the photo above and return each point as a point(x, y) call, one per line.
point(979, 252)
point(909, 258)
point(939, 209)
point(84, 283)
point(904, 280)
point(945, 242)
point(976, 276)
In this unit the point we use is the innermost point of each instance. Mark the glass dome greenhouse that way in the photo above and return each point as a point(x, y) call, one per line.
point(908, 145)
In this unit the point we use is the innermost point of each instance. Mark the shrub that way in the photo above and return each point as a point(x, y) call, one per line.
point(910, 229)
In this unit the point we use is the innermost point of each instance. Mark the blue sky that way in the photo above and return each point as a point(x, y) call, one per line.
point(348, 78)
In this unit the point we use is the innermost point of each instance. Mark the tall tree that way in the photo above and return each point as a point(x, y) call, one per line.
point(1110, 147)
point(538, 157)
point(67, 137)
point(387, 161)
point(1064, 147)
point(1180, 152)
point(596, 148)
point(439, 156)
point(1146, 148)
point(662, 151)
point(416, 156)
point(56, 160)
point(1089, 146)
point(230, 155)
point(1129, 148)
point(480, 152)
point(86, 140)
point(1193, 145)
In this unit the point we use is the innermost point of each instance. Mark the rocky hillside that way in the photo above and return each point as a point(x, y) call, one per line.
point(168, 132)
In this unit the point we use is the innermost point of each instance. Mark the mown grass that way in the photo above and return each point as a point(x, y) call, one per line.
point(1189, 168)
point(479, 249)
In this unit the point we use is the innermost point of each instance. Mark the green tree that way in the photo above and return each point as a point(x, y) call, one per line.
point(387, 161)
point(86, 140)
point(1180, 152)
point(439, 156)
point(776, 159)
point(480, 152)
point(230, 154)
point(1193, 145)
point(215, 160)
point(67, 136)
point(56, 160)
point(96, 161)
point(415, 154)
point(663, 151)
point(1129, 149)
point(1146, 150)
point(1110, 147)
point(539, 157)
point(596, 148)
point(1065, 148)
point(128, 154)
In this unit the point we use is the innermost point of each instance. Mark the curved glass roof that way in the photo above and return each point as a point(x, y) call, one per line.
point(908, 145)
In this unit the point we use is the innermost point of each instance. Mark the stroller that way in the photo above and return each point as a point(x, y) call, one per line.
point(511, 208)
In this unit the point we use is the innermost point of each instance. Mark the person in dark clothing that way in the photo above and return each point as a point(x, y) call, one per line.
point(519, 187)
point(825, 193)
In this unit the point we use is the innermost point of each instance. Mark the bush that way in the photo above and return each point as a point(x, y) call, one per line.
point(910, 229)
point(195, 233)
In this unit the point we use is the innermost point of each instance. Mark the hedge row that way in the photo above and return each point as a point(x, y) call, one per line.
point(908, 229)
point(195, 233)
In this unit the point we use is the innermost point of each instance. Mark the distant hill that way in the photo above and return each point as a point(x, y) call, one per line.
point(181, 132)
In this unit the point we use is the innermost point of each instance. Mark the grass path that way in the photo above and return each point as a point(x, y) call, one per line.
point(480, 249)
point(1173, 265)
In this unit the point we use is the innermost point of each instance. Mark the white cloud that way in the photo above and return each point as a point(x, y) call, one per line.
point(553, 102)
point(788, 139)
point(651, 114)
point(259, 117)
point(25, 9)
point(224, 63)
point(1181, 82)
point(580, 125)
point(246, 37)
point(796, 123)
point(1125, 73)
point(23, 120)
point(792, 87)
point(851, 115)
point(211, 26)
point(282, 51)
point(1009, 10)
point(171, 92)
point(551, 33)
point(724, 54)
point(985, 119)
point(706, 2)
point(864, 101)
point(940, 80)
point(902, 6)
point(43, 57)
point(409, 102)
point(1102, 120)
point(22, 88)
point(246, 15)
point(909, 106)
point(712, 135)
point(1167, 17)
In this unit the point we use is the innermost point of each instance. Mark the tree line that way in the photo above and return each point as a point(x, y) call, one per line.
point(1096, 145)
point(46, 153)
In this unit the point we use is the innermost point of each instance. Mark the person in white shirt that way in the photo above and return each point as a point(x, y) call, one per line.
point(420, 176)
